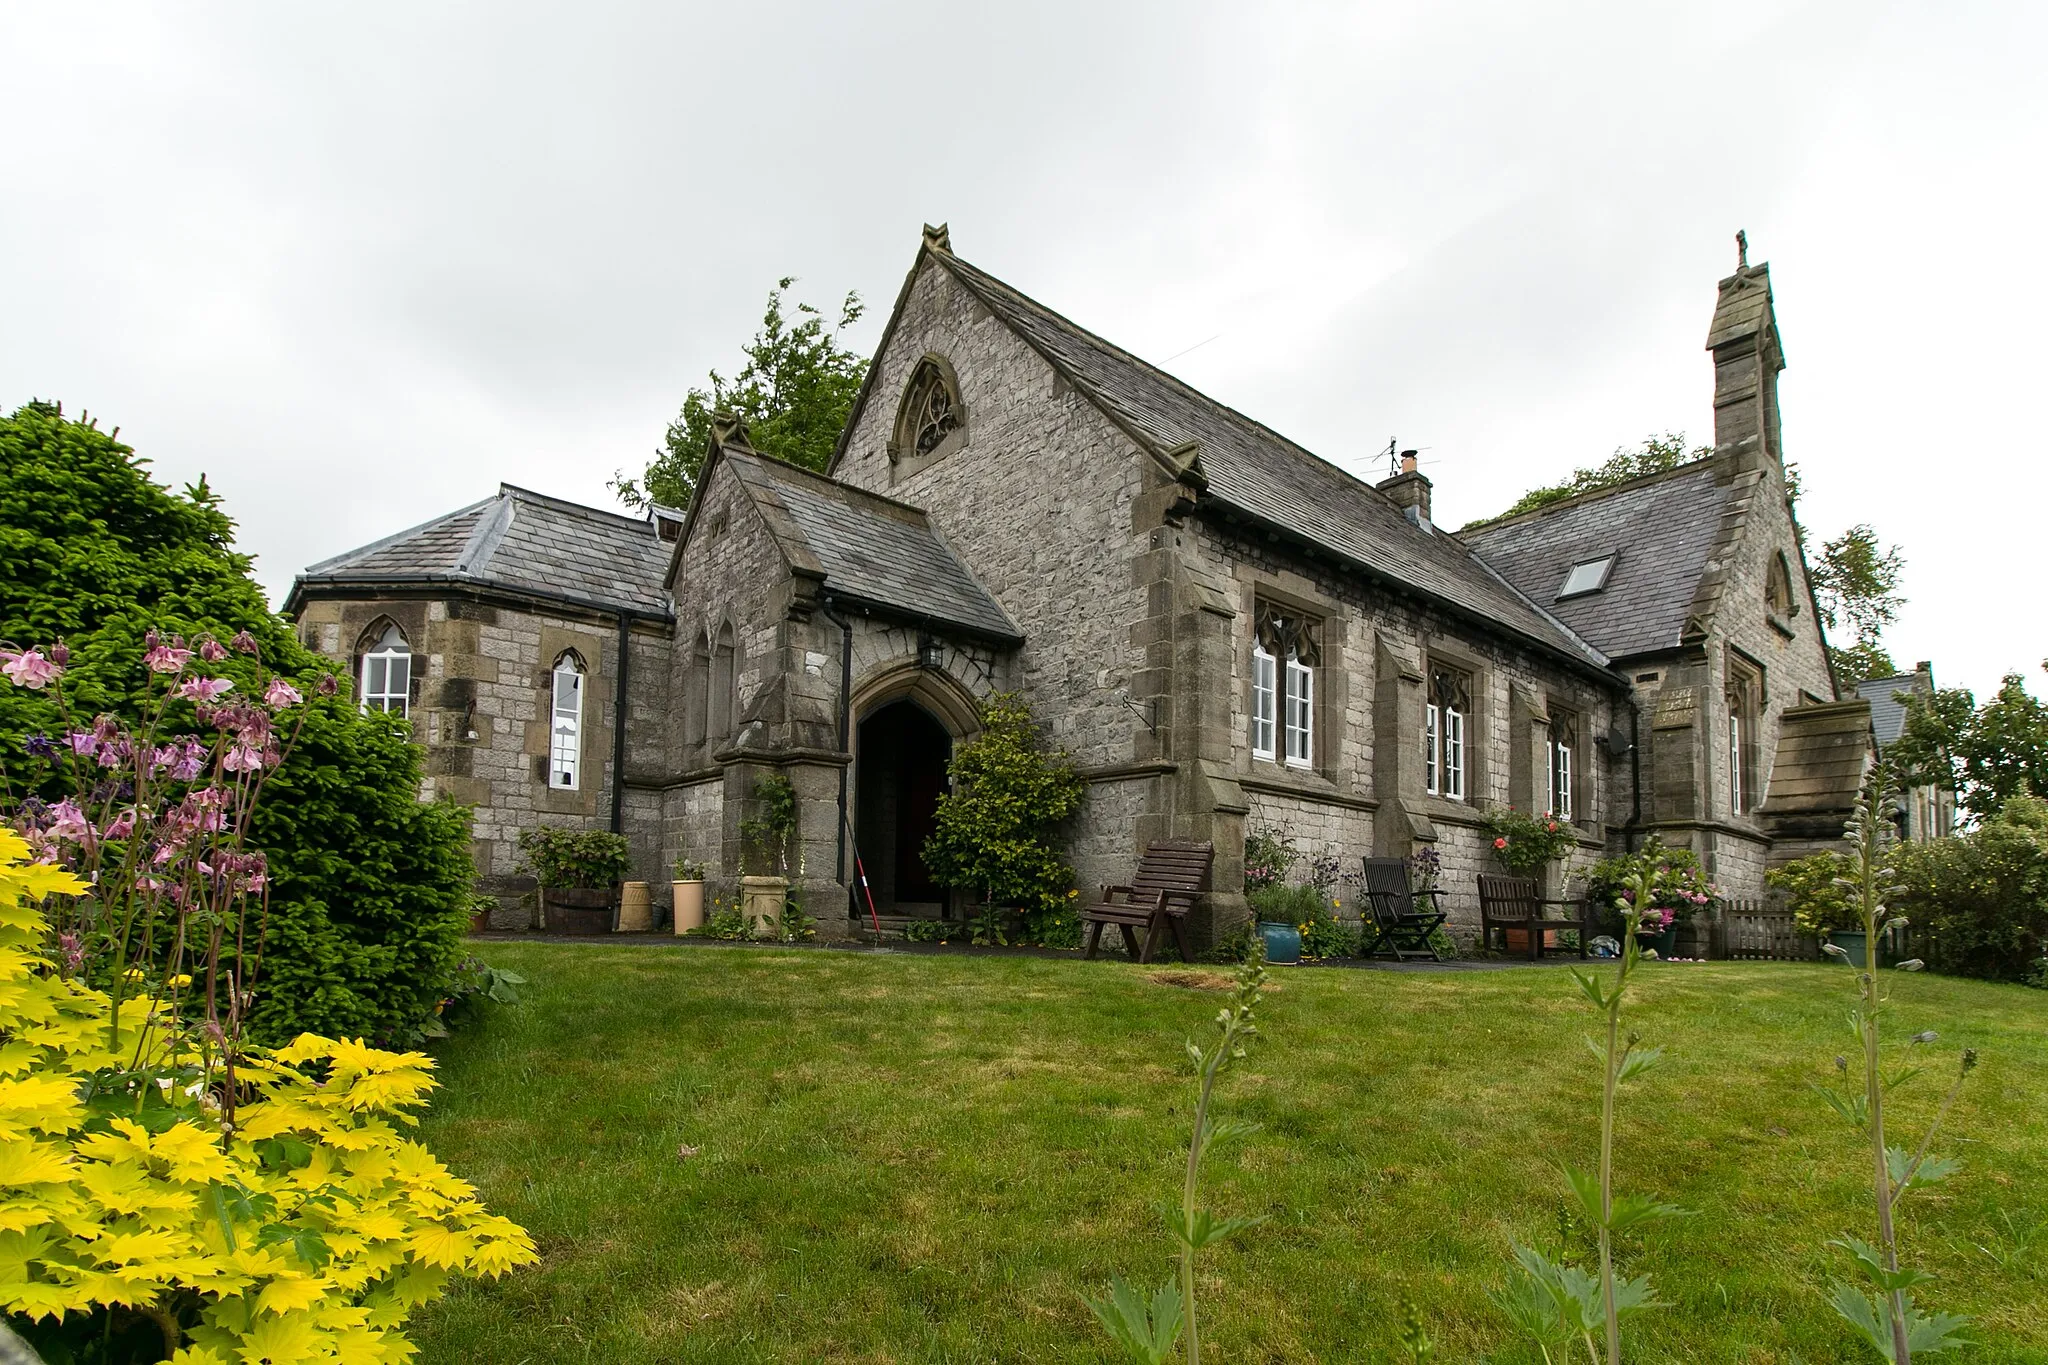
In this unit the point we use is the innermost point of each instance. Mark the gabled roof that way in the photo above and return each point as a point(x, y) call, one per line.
point(1662, 527)
point(1887, 711)
point(1249, 468)
point(517, 541)
point(868, 549)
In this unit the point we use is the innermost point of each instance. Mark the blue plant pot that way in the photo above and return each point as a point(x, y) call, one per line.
point(1854, 942)
point(1283, 942)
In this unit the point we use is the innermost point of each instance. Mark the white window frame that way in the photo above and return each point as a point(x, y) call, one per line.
point(1560, 779)
point(1429, 751)
point(1265, 702)
point(1301, 714)
point(1735, 792)
point(1454, 753)
point(391, 655)
point(565, 741)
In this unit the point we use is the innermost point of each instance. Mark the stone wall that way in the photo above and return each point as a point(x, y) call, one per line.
point(1038, 502)
point(482, 689)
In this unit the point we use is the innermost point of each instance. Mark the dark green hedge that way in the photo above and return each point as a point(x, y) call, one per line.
point(370, 887)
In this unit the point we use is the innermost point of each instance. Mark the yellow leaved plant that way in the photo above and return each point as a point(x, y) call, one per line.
point(306, 1227)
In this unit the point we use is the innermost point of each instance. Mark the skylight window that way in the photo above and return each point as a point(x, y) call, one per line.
point(1588, 575)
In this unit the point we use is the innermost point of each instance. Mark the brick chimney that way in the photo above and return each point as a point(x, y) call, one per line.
point(1409, 489)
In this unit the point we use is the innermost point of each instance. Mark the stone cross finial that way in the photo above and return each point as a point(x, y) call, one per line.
point(728, 428)
point(1741, 249)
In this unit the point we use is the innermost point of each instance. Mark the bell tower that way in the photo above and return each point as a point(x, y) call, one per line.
point(1748, 356)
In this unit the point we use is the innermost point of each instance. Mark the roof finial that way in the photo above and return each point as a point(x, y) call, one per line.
point(938, 238)
point(728, 428)
point(1741, 249)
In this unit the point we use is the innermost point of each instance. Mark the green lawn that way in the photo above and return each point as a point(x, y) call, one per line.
point(930, 1158)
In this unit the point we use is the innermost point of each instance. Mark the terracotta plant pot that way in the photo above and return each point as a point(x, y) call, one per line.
point(636, 908)
point(577, 910)
point(479, 921)
point(689, 898)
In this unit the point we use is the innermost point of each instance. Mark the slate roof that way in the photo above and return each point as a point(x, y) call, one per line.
point(517, 540)
point(1822, 753)
point(869, 548)
point(1664, 528)
point(1887, 712)
point(1255, 470)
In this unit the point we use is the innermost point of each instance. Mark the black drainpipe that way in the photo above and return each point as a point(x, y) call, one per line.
point(619, 724)
point(845, 724)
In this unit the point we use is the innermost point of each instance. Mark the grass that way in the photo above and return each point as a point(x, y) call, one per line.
point(791, 1155)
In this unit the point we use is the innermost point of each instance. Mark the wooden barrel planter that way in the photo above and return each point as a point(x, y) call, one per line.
point(577, 910)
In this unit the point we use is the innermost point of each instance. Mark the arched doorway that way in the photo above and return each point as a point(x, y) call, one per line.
point(898, 776)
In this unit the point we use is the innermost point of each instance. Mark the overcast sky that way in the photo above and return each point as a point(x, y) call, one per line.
point(359, 263)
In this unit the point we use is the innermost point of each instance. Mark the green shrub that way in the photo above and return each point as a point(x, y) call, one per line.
point(576, 859)
point(994, 831)
point(1820, 905)
point(1269, 854)
point(1979, 901)
point(1309, 910)
point(369, 894)
point(932, 931)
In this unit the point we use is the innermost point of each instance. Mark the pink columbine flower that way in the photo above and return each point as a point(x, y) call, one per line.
point(204, 689)
point(84, 743)
point(31, 669)
point(244, 642)
point(243, 759)
point(191, 761)
point(163, 658)
point(327, 686)
point(210, 650)
point(69, 822)
point(123, 825)
point(281, 694)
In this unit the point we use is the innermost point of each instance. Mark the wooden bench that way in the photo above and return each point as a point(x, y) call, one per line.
point(1170, 876)
point(1517, 903)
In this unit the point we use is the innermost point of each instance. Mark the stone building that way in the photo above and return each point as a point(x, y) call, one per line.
point(1223, 629)
point(1924, 812)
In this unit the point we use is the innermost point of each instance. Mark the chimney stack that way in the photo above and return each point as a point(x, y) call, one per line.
point(1409, 489)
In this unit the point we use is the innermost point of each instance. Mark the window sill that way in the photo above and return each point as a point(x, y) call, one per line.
point(1304, 784)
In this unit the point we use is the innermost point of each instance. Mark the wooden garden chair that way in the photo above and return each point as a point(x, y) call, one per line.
point(1393, 923)
point(1518, 903)
point(1171, 875)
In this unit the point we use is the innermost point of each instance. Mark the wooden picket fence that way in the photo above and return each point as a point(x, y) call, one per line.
point(1760, 929)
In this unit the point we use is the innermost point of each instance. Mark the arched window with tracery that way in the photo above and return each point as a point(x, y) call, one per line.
point(932, 422)
point(565, 724)
point(386, 676)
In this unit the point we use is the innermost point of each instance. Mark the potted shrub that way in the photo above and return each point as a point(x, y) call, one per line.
point(1526, 845)
point(1268, 856)
point(1820, 904)
point(480, 907)
point(579, 871)
point(1679, 892)
point(688, 887)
